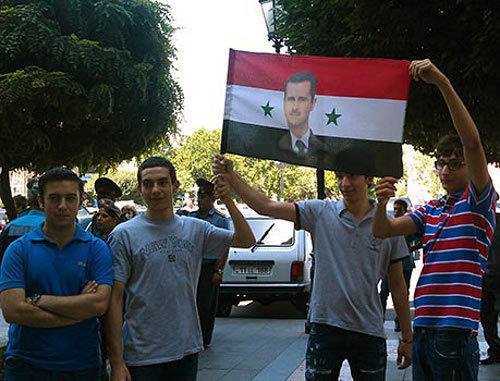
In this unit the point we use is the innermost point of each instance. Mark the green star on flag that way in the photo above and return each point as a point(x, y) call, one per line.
point(332, 117)
point(267, 109)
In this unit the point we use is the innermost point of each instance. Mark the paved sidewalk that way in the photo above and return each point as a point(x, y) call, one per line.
point(246, 347)
point(490, 372)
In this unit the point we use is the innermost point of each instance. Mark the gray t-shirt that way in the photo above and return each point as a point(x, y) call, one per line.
point(160, 261)
point(349, 263)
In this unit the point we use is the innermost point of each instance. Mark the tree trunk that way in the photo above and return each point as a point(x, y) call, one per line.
point(6, 194)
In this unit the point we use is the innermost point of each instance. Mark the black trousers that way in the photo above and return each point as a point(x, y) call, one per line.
point(489, 319)
point(206, 299)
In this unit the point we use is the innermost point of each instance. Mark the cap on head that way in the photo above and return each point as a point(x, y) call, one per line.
point(205, 187)
point(107, 188)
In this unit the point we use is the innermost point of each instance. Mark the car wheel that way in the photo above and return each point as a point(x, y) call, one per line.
point(224, 307)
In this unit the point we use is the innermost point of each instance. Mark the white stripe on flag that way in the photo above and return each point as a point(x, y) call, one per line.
point(361, 118)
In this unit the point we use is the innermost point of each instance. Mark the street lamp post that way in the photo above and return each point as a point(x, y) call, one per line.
point(269, 11)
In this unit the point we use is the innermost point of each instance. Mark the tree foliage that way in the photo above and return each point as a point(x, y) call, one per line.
point(126, 180)
point(459, 36)
point(193, 159)
point(84, 82)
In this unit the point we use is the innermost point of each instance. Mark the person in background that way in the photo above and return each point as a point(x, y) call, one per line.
point(105, 189)
point(21, 204)
point(108, 217)
point(212, 267)
point(129, 212)
point(490, 300)
point(29, 221)
point(413, 242)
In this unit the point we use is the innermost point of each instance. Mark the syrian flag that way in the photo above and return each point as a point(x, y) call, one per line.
point(341, 114)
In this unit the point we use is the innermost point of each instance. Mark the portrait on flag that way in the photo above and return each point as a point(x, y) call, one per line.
point(340, 114)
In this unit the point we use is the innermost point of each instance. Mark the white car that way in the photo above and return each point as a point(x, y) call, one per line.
point(276, 268)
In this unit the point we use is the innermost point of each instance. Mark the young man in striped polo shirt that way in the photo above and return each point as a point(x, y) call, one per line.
point(457, 231)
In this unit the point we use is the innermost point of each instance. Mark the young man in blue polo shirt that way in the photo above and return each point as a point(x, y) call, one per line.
point(54, 283)
point(457, 231)
point(345, 311)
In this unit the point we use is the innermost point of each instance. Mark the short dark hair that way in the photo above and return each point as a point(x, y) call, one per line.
point(449, 145)
point(303, 76)
point(20, 201)
point(401, 202)
point(59, 174)
point(157, 161)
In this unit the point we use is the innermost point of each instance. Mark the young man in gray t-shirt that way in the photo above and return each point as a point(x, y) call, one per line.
point(345, 310)
point(156, 262)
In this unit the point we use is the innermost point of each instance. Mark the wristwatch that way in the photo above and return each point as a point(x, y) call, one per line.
point(219, 271)
point(33, 299)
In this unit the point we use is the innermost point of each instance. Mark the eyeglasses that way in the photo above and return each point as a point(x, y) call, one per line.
point(453, 164)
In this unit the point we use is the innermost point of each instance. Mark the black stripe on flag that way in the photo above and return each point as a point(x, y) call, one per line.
point(354, 156)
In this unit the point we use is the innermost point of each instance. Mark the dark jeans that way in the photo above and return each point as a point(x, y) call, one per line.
point(328, 347)
point(444, 354)
point(489, 319)
point(16, 370)
point(184, 369)
point(206, 299)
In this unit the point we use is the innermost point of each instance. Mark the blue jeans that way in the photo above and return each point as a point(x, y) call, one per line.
point(444, 354)
point(16, 370)
point(184, 369)
point(329, 346)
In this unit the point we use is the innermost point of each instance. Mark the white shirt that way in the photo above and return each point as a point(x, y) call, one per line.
point(304, 139)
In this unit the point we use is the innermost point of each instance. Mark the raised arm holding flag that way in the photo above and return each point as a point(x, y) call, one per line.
point(457, 232)
point(350, 262)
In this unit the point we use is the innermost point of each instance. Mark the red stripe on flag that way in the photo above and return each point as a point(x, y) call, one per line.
point(342, 77)
point(447, 311)
point(447, 290)
point(466, 267)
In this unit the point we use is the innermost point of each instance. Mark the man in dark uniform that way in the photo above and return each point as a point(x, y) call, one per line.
point(490, 300)
point(105, 189)
point(25, 223)
point(211, 268)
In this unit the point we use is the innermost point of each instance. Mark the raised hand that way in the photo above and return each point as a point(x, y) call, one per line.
point(385, 189)
point(222, 188)
point(428, 72)
point(221, 164)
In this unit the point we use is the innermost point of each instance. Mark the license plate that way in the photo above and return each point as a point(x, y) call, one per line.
point(252, 270)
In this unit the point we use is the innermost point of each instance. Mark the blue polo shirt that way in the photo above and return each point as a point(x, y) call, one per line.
point(36, 264)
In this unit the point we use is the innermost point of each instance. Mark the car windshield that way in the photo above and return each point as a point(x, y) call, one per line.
point(281, 234)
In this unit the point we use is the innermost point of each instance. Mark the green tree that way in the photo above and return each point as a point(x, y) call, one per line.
point(126, 180)
point(457, 35)
point(83, 83)
point(193, 159)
